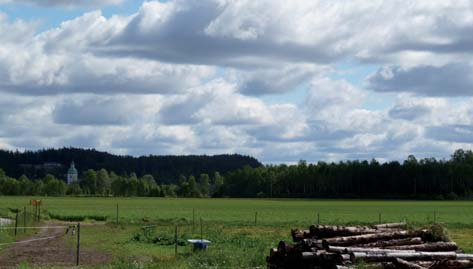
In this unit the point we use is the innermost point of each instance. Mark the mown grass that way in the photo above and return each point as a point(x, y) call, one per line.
point(237, 241)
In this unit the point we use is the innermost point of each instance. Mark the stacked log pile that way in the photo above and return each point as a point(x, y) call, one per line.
point(389, 245)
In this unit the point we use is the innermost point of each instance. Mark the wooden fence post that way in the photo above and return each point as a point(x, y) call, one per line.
point(24, 219)
point(78, 244)
point(201, 231)
point(117, 214)
point(256, 217)
point(175, 239)
point(193, 220)
point(16, 222)
point(318, 218)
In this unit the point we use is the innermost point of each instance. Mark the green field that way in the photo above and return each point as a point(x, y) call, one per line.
point(230, 224)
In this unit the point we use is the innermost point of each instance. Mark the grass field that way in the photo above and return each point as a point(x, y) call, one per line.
point(237, 241)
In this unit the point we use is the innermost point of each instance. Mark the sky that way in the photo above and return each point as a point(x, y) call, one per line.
point(315, 80)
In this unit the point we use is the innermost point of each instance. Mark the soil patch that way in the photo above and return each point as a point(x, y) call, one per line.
point(50, 247)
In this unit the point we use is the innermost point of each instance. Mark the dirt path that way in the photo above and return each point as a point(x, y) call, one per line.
point(49, 247)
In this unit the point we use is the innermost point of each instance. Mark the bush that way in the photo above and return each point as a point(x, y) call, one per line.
point(261, 194)
point(77, 217)
point(148, 235)
point(452, 196)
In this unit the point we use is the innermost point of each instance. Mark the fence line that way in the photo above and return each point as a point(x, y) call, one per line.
point(33, 240)
point(38, 227)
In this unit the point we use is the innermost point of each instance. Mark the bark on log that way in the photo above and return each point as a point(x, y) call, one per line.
point(346, 257)
point(336, 249)
point(327, 231)
point(284, 248)
point(322, 257)
point(312, 243)
point(432, 247)
point(299, 235)
point(394, 242)
point(462, 256)
point(273, 252)
point(369, 238)
point(399, 225)
point(409, 256)
point(402, 264)
point(452, 264)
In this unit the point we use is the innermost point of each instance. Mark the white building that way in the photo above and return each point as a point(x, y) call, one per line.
point(72, 174)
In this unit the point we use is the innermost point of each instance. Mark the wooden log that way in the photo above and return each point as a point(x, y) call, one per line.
point(346, 257)
point(328, 231)
point(398, 225)
point(462, 256)
point(336, 249)
point(312, 243)
point(452, 264)
point(426, 264)
point(408, 256)
point(340, 267)
point(402, 264)
point(432, 247)
point(394, 242)
point(321, 258)
point(389, 229)
point(299, 235)
point(369, 238)
point(273, 252)
point(284, 248)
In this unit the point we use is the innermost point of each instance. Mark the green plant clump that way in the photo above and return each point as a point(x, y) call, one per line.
point(77, 217)
point(148, 235)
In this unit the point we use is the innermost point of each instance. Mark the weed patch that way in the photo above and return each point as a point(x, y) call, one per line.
point(77, 217)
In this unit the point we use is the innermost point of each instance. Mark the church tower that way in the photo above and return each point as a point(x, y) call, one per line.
point(72, 174)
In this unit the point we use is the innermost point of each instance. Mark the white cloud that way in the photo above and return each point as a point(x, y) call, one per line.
point(453, 79)
point(182, 77)
point(273, 80)
point(64, 3)
point(251, 33)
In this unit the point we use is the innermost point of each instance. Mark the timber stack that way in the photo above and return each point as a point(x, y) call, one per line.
point(389, 245)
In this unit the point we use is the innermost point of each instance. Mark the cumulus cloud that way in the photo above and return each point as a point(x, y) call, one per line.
point(329, 98)
point(56, 61)
point(279, 79)
point(216, 102)
point(64, 3)
point(242, 33)
point(94, 111)
point(408, 113)
point(180, 77)
point(451, 133)
point(454, 79)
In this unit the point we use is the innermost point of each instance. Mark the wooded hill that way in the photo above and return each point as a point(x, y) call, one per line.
point(236, 176)
point(166, 169)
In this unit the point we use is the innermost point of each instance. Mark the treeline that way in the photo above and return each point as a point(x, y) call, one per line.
point(166, 169)
point(427, 178)
point(103, 183)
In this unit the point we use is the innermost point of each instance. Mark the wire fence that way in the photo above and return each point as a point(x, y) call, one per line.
point(192, 220)
point(23, 232)
point(129, 214)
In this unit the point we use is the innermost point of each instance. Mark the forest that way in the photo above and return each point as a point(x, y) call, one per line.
point(426, 178)
point(166, 169)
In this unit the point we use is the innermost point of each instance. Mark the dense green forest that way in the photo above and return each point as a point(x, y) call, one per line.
point(427, 178)
point(166, 169)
